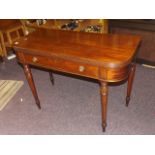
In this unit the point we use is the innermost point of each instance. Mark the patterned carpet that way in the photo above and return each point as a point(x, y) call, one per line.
point(8, 88)
point(72, 105)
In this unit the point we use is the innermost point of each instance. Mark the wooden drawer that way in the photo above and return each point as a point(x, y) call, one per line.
point(60, 64)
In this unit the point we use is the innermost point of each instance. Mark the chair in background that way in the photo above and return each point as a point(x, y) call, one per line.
point(1, 50)
point(2, 45)
point(11, 30)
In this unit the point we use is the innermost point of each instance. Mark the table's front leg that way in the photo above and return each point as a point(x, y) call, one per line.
point(30, 80)
point(104, 100)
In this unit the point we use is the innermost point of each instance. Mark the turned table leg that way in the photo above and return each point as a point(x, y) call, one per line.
point(51, 77)
point(104, 99)
point(130, 82)
point(31, 84)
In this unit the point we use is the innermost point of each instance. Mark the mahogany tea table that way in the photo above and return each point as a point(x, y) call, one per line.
point(105, 57)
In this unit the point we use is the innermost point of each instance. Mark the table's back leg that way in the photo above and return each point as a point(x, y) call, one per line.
point(30, 80)
point(104, 100)
point(1, 59)
point(130, 82)
point(51, 77)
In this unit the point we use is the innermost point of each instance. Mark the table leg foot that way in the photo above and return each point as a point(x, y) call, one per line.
point(38, 104)
point(127, 100)
point(51, 78)
point(104, 127)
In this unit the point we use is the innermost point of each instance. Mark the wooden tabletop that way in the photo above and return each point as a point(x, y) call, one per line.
point(107, 50)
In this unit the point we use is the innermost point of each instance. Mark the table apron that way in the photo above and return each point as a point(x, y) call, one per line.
point(77, 68)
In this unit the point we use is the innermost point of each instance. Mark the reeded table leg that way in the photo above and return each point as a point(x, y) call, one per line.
point(130, 82)
point(31, 84)
point(51, 77)
point(104, 99)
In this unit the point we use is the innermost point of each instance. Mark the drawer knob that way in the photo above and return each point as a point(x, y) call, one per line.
point(35, 59)
point(81, 68)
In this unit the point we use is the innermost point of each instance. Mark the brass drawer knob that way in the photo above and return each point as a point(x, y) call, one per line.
point(16, 43)
point(81, 68)
point(34, 59)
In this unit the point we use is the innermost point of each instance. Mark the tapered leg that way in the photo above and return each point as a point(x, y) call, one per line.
point(104, 99)
point(51, 77)
point(130, 82)
point(31, 84)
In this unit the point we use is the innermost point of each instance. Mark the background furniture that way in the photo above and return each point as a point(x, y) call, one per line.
point(2, 45)
point(58, 23)
point(1, 50)
point(11, 30)
point(144, 28)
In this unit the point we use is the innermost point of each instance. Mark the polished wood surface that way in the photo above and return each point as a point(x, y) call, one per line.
point(99, 49)
point(105, 57)
point(144, 28)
